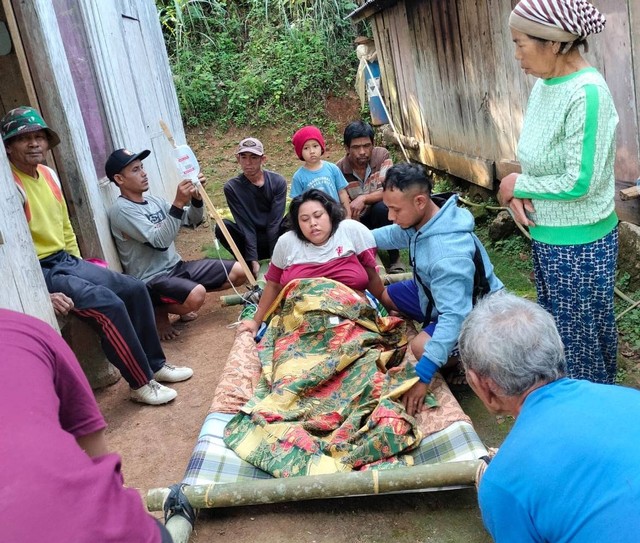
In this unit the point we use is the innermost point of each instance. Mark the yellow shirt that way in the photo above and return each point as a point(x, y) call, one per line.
point(47, 214)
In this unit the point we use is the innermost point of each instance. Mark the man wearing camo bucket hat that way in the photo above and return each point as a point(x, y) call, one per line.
point(118, 305)
point(565, 193)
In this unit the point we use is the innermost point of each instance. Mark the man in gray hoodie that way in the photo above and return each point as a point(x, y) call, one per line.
point(145, 228)
point(450, 269)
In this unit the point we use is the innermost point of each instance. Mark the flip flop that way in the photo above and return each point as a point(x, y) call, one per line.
point(398, 267)
point(188, 317)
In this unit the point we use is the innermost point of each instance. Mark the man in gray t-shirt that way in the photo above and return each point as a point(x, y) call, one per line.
point(145, 228)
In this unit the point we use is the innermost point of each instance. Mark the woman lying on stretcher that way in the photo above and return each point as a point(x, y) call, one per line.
point(321, 243)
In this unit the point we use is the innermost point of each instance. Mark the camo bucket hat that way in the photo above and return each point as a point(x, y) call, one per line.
point(22, 120)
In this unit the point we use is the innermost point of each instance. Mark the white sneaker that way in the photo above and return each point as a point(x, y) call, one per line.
point(153, 393)
point(173, 374)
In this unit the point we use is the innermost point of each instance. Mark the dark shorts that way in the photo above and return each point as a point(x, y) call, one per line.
point(174, 287)
point(406, 298)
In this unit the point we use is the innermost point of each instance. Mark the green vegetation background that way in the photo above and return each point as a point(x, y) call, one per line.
point(256, 62)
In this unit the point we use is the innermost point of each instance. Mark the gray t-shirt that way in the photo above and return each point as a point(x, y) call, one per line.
point(145, 234)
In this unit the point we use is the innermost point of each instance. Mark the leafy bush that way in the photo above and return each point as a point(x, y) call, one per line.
point(254, 62)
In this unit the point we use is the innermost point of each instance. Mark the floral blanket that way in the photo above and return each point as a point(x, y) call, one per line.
point(327, 398)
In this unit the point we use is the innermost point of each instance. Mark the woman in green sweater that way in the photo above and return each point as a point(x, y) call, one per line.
point(565, 193)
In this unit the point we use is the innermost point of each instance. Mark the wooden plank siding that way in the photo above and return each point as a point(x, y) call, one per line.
point(455, 91)
point(22, 287)
point(39, 72)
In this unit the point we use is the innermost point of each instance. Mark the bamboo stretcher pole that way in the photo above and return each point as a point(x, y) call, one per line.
point(225, 232)
point(238, 299)
point(389, 278)
point(213, 213)
point(315, 487)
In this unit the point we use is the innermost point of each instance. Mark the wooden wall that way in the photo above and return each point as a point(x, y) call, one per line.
point(22, 286)
point(453, 87)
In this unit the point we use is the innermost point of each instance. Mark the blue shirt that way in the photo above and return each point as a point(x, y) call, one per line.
point(329, 179)
point(569, 470)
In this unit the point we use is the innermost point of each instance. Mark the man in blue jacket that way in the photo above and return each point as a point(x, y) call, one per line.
point(450, 269)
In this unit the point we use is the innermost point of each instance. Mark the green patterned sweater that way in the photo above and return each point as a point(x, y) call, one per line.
point(567, 151)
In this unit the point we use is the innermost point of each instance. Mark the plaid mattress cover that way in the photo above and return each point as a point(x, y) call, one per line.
point(212, 462)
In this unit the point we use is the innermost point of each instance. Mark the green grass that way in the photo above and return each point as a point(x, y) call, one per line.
point(511, 259)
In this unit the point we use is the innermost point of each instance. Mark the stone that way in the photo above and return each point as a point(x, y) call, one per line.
point(629, 253)
point(502, 227)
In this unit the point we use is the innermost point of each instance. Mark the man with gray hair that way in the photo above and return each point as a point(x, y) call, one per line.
point(569, 469)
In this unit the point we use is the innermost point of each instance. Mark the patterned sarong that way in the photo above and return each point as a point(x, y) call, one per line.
point(326, 401)
point(575, 283)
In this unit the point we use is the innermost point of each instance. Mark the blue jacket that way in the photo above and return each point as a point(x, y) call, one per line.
point(441, 255)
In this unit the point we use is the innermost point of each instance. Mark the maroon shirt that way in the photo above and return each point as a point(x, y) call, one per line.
point(51, 489)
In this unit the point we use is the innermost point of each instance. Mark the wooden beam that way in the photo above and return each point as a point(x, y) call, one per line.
point(22, 287)
point(45, 51)
point(505, 167)
point(369, 8)
point(16, 41)
point(634, 32)
point(476, 170)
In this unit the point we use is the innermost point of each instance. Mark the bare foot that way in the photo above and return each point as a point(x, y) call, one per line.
point(166, 331)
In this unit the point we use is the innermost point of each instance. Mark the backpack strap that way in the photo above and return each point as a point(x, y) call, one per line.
point(480, 284)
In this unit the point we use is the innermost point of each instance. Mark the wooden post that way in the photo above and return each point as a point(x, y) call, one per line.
point(630, 193)
point(213, 213)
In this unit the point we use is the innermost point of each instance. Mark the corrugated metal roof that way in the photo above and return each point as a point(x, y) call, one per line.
point(369, 8)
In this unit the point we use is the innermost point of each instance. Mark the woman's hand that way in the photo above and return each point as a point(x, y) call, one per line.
point(507, 186)
point(248, 325)
point(519, 209)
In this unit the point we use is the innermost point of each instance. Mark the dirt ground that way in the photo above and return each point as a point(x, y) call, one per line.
point(156, 443)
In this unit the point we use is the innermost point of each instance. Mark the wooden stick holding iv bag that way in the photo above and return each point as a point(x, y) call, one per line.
point(188, 166)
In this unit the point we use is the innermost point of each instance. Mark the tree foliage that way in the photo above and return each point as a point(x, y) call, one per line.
point(253, 62)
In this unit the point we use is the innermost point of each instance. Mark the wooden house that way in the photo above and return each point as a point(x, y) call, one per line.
point(98, 71)
point(456, 94)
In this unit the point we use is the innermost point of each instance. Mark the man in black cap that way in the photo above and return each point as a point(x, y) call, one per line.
point(145, 228)
point(119, 306)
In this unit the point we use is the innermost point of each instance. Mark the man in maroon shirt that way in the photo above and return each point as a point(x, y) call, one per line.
point(52, 442)
point(365, 167)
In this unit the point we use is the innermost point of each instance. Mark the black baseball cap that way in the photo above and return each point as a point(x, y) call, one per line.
point(120, 159)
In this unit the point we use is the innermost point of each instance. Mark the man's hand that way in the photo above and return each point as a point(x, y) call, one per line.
point(255, 267)
point(61, 303)
point(248, 325)
point(357, 207)
point(202, 179)
point(185, 191)
point(413, 399)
